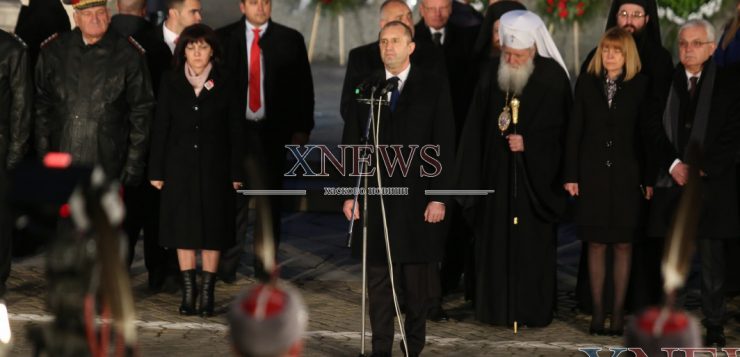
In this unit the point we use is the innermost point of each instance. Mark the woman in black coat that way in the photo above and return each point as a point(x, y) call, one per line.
point(603, 165)
point(194, 160)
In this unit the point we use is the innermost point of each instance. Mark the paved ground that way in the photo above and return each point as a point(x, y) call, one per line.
point(314, 258)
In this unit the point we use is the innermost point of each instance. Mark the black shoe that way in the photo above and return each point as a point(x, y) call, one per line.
point(228, 278)
point(596, 331)
point(205, 303)
point(715, 337)
point(187, 306)
point(437, 314)
point(156, 282)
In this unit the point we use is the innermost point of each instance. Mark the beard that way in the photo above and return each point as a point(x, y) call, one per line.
point(512, 79)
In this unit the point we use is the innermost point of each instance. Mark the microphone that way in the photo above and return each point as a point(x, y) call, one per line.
point(369, 84)
point(388, 86)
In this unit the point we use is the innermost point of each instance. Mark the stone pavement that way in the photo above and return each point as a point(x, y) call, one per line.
point(314, 258)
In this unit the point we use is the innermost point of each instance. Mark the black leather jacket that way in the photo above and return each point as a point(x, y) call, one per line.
point(16, 91)
point(95, 102)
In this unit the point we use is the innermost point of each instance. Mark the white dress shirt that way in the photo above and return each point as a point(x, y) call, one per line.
point(169, 38)
point(401, 79)
point(260, 113)
point(442, 31)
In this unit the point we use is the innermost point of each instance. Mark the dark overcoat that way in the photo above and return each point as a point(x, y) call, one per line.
point(603, 153)
point(196, 151)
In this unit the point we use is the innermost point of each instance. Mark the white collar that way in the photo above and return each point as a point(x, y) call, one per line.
point(169, 36)
point(433, 31)
point(689, 75)
point(251, 27)
point(401, 76)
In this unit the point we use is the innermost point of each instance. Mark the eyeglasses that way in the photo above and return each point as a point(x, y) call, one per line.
point(692, 44)
point(635, 15)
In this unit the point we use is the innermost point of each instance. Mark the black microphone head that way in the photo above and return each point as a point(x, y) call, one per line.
point(367, 85)
point(389, 85)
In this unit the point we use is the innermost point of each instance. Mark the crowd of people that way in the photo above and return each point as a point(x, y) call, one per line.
point(174, 110)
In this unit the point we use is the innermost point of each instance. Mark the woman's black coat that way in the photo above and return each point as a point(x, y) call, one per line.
point(196, 151)
point(603, 151)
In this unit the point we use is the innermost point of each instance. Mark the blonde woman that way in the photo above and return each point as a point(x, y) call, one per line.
point(603, 166)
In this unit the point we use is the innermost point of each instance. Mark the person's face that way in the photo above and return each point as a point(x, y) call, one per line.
point(612, 58)
point(395, 47)
point(516, 58)
point(632, 17)
point(436, 12)
point(693, 47)
point(397, 12)
point(188, 14)
point(198, 54)
point(256, 11)
point(93, 21)
point(495, 38)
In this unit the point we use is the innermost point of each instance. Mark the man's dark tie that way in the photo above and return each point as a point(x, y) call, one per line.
point(437, 38)
point(394, 93)
point(692, 86)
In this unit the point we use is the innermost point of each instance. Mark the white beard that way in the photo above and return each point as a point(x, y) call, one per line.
point(512, 79)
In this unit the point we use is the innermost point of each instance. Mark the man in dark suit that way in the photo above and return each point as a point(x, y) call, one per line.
point(277, 100)
point(365, 60)
point(419, 113)
point(703, 107)
point(39, 20)
point(130, 18)
point(454, 45)
point(143, 200)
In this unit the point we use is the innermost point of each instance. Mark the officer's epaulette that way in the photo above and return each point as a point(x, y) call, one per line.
point(49, 40)
point(136, 45)
point(20, 40)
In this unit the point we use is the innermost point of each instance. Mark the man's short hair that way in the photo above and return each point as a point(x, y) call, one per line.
point(171, 4)
point(711, 33)
point(388, 2)
point(131, 6)
point(406, 29)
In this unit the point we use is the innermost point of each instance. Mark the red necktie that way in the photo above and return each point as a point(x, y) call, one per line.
point(254, 73)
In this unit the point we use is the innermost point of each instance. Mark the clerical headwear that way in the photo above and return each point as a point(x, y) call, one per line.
point(521, 29)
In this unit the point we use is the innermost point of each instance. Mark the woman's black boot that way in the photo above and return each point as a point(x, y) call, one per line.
point(205, 304)
point(187, 307)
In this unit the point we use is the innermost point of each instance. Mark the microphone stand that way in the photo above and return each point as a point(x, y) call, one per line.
point(375, 124)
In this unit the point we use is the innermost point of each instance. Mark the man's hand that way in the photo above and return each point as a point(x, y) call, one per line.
point(157, 184)
point(648, 192)
point(299, 139)
point(680, 173)
point(516, 142)
point(347, 209)
point(236, 185)
point(572, 188)
point(435, 212)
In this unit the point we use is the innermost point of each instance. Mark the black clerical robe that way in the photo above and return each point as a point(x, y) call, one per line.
point(515, 265)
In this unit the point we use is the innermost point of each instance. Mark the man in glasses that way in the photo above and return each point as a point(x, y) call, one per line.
point(640, 18)
point(703, 107)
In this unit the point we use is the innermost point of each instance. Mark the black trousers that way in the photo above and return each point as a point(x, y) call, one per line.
point(264, 168)
point(416, 280)
point(142, 213)
point(713, 279)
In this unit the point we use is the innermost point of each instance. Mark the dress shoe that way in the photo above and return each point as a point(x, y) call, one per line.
point(593, 331)
point(438, 314)
point(715, 337)
point(187, 306)
point(205, 303)
point(381, 354)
